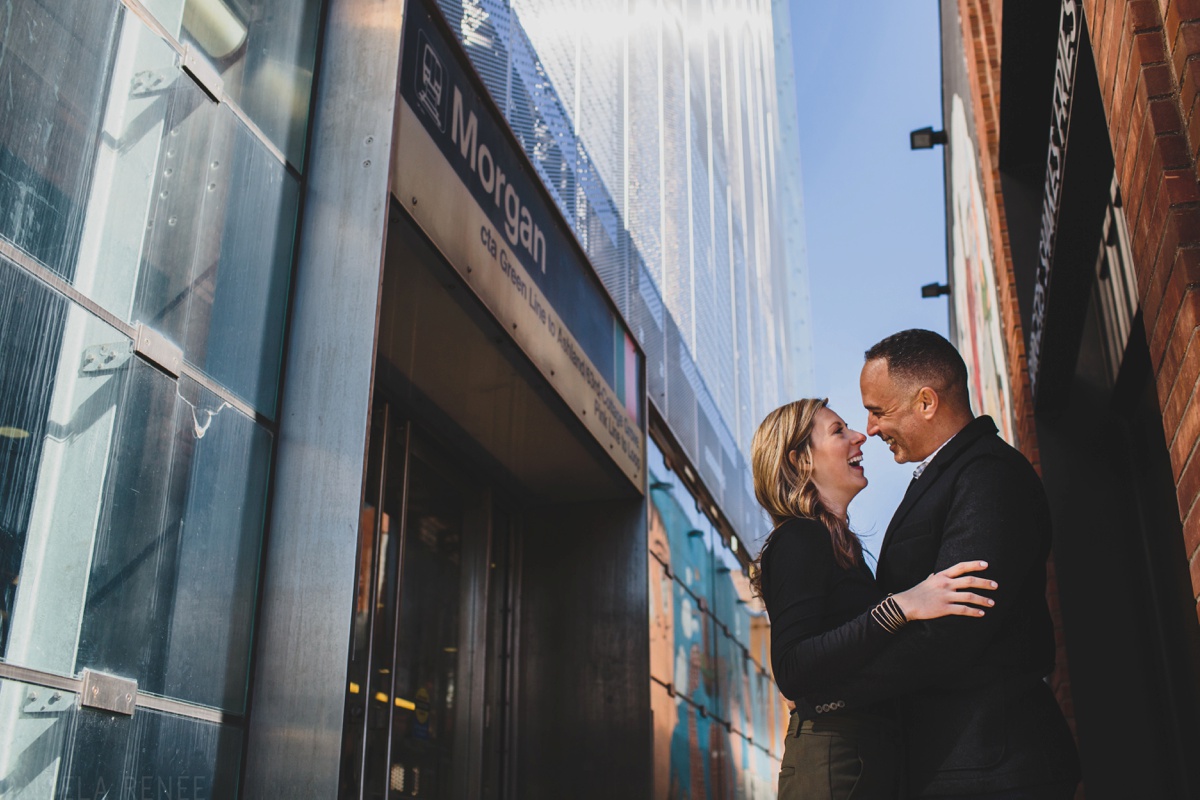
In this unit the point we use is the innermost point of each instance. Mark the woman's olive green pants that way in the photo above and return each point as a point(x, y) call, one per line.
point(846, 756)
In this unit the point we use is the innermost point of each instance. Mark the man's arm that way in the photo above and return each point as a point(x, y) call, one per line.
point(997, 515)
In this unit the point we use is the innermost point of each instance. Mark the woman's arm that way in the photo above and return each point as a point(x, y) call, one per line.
point(799, 569)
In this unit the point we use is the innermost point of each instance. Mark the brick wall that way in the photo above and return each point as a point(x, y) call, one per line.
point(981, 21)
point(1148, 62)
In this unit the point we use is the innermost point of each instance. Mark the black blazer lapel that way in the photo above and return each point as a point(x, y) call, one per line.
point(974, 430)
point(916, 488)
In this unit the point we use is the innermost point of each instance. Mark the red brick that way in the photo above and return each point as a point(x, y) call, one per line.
point(1187, 221)
point(1187, 265)
point(1186, 10)
point(1139, 173)
point(1194, 568)
point(1124, 112)
point(1126, 70)
point(1179, 392)
point(1187, 469)
point(1157, 81)
point(1093, 14)
point(1160, 209)
point(1189, 37)
point(1126, 54)
point(1183, 444)
point(1152, 225)
point(1181, 186)
point(1164, 115)
point(1194, 122)
point(1161, 320)
point(1155, 291)
point(1170, 18)
point(1189, 82)
point(1145, 268)
point(1142, 14)
point(1156, 294)
point(1150, 48)
point(1172, 335)
point(1187, 44)
point(1191, 532)
point(1111, 45)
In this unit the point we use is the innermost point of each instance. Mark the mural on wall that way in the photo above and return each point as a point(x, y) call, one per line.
point(978, 332)
point(718, 717)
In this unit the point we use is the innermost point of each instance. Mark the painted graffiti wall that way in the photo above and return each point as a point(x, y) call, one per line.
point(718, 717)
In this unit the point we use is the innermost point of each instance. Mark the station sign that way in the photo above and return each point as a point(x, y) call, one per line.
point(462, 175)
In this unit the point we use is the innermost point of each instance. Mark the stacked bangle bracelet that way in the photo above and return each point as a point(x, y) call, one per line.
point(889, 615)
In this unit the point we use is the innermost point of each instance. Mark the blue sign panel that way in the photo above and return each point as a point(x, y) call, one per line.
point(490, 163)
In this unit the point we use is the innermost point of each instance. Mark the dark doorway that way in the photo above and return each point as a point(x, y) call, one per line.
point(427, 700)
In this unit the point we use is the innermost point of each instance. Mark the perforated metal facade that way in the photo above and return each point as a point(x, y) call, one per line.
point(660, 130)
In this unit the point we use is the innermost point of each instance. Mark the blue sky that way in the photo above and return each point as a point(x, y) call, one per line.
point(867, 73)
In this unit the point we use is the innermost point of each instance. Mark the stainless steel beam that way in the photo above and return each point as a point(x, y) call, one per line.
point(300, 674)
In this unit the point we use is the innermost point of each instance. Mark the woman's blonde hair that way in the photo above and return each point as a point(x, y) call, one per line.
point(784, 485)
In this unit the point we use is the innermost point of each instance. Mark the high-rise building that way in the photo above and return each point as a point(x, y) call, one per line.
point(378, 380)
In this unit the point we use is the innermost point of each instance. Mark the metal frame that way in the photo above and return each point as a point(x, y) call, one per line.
point(298, 693)
point(37, 677)
point(135, 332)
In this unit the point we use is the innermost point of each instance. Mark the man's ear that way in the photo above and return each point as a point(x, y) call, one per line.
point(927, 402)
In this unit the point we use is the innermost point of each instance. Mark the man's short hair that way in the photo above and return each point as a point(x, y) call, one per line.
point(924, 358)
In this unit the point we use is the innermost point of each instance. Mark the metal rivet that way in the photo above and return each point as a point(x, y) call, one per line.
point(367, 163)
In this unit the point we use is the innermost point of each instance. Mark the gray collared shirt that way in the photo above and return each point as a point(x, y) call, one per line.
point(921, 467)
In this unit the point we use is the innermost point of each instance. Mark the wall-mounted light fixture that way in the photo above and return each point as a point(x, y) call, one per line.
point(935, 289)
point(12, 432)
point(926, 138)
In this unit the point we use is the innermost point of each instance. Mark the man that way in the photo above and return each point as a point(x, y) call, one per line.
point(979, 720)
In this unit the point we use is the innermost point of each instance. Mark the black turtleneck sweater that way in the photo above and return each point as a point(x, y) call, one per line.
point(821, 624)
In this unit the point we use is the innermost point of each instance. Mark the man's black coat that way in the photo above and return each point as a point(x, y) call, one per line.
point(977, 714)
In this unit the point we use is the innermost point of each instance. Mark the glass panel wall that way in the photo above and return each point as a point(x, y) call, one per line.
point(120, 175)
point(133, 500)
point(264, 51)
point(131, 508)
point(54, 749)
point(718, 717)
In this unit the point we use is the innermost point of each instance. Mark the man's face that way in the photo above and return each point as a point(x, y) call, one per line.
point(892, 413)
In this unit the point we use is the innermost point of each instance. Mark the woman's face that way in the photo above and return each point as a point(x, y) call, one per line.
point(836, 459)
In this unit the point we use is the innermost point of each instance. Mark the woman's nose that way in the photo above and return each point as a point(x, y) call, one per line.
point(857, 437)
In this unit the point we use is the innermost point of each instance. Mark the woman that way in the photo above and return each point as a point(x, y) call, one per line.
point(827, 615)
